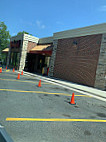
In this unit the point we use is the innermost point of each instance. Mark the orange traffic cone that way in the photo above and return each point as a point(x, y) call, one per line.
point(0, 70)
point(22, 73)
point(39, 84)
point(6, 67)
point(72, 102)
point(18, 77)
point(13, 70)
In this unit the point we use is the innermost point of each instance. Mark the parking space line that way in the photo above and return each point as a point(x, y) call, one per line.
point(54, 120)
point(39, 92)
point(21, 81)
point(11, 75)
point(7, 70)
point(6, 74)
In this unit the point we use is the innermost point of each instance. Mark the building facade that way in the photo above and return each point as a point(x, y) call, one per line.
point(28, 53)
point(78, 55)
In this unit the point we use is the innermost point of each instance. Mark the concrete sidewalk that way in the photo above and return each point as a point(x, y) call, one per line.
point(80, 88)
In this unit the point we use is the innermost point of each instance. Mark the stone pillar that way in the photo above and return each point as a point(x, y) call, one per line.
point(8, 56)
point(100, 80)
point(52, 59)
point(23, 55)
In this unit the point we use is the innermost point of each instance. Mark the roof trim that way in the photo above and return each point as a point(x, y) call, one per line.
point(25, 37)
point(89, 30)
point(46, 40)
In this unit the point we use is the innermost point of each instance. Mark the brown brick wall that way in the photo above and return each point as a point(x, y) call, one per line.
point(31, 45)
point(77, 58)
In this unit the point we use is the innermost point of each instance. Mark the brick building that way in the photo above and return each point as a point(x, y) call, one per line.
point(78, 55)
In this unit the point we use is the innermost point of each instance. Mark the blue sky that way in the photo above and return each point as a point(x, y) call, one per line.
point(42, 18)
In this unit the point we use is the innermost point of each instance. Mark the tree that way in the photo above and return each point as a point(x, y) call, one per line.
point(19, 33)
point(4, 38)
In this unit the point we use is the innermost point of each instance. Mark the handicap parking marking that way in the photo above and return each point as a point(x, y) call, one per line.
point(39, 92)
point(55, 120)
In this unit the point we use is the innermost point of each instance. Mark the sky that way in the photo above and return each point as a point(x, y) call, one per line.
point(42, 18)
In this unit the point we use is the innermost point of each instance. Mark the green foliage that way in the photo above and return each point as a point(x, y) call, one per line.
point(19, 33)
point(4, 37)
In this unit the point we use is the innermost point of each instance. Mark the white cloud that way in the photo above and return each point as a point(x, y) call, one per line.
point(43, 26)
point(59, 23)
point(40, 25)
point(28, 23)
point(103, 8)
point(13, 34)
point(31, 24)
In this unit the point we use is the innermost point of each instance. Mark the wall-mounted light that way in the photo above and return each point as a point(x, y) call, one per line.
point(75, 42)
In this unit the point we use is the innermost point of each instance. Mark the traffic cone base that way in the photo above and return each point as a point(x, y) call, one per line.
point(18, 77)
point(72, 102)
point(0, 70)
point(39, 84)
point(13, 70)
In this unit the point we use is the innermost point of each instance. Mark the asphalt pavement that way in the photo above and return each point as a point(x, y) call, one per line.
point(43, 114)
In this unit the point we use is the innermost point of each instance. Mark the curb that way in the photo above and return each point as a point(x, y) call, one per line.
point(72, 86)
point(4, 137)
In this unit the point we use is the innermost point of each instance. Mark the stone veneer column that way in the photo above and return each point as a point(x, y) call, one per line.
point(23, 55)
point(100, 80)
point(8, 56)
point(52, 59)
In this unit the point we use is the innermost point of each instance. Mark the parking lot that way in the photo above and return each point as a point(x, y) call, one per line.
point(43, 114)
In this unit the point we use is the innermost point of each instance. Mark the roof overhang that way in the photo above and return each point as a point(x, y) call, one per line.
point(6, 50)
point(42, 49)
